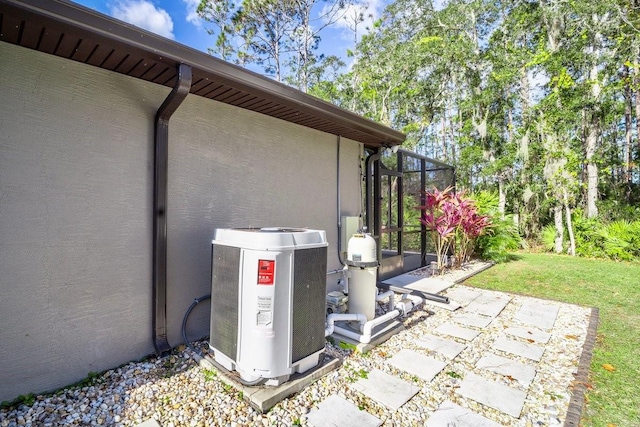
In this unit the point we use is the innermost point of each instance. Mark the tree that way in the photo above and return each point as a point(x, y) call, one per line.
point(281, 36)
point(306, 38)
point(524, 98)
point(219, 13)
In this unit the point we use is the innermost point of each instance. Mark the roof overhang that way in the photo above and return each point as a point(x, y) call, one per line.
point(71, 31)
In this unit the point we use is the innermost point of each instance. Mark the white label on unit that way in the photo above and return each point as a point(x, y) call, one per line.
point(264, 318)
point(265, 302)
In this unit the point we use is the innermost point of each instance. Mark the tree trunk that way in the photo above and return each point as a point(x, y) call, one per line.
point(523, 153)
point(592, 171)
point(443, 123)
point(614, 157)
point(572, 241)
point(591, 142)
point(636, 86)
point(557, 217)
point(502, 196)
point(627, 152)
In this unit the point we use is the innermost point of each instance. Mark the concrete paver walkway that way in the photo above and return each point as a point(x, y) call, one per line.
point(500, 377)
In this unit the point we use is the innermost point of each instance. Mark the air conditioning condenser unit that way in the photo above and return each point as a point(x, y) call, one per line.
point(268, 301)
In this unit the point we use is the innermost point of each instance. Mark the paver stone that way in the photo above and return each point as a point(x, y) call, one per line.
point(450, 414)
point(524, 374)
point(386, 389)
point(417, 364)
point(447, 348)
point(495, 395)
point(538, 313)
point(336, 411)
point(457, 331)
point(530, 351)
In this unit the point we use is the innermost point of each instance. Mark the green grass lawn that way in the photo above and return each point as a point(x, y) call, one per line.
point(614, 288)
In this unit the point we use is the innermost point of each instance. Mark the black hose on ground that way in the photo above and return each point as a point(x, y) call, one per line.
point(199, 352)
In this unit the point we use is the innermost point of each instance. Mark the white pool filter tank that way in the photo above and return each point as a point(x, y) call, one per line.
point(362, 264)
point(268, 301)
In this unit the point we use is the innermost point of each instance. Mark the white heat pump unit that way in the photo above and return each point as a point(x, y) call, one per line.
point(268, 301)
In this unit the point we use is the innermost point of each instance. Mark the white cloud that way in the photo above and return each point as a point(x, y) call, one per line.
point(144, 14)
point(192, 14)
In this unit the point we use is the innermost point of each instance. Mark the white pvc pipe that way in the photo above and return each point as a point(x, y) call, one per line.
point(378, 320)
point(415, 299)
point(365, 337)
point(391, 295)
point(333, 317)
point(367, 328)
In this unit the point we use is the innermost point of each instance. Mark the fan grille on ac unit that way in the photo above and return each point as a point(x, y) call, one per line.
point(308, 302)
point(224, 300)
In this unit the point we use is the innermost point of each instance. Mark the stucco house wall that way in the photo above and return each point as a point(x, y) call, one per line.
point(76, 182)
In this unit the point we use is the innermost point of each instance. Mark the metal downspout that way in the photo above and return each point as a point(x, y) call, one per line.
point(371, 198)
point(339, 208)
point(160, 178)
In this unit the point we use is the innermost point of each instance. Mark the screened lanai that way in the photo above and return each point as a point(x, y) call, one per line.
point(393, 217)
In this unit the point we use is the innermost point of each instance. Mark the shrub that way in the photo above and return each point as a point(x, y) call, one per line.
point(588, 242)
point(454, 222)
point(618, 240)
point(548, 237)
point(502, 237)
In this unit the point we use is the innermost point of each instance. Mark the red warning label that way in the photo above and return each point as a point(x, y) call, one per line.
point(266, 271)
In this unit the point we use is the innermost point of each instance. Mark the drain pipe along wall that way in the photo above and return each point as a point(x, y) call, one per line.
point(160, 179)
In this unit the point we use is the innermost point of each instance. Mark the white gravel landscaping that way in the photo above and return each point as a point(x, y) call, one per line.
point(175, 391)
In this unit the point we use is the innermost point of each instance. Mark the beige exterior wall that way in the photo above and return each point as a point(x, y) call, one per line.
point(76, 178)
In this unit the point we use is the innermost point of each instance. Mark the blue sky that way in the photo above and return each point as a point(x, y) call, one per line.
point(177, 20)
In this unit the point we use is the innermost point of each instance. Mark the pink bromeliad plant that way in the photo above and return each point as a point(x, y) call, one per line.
point(454, 223)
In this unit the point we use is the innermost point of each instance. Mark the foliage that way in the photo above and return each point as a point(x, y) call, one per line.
point(621, 240)
point(528, 99)
point(23, 399)
point(614, 208)
point(502, 237)
point(209, 374)
point(453, 222)
point(440, 220)
point(617, 240)
point(548, 237)
point(588, 242)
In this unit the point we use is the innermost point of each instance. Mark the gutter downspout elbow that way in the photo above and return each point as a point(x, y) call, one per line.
point(160, 178)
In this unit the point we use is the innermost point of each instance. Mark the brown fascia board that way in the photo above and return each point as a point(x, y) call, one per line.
point(88, 24)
